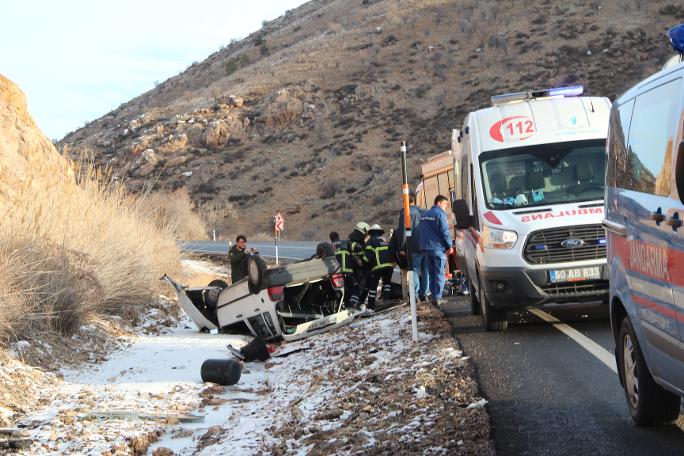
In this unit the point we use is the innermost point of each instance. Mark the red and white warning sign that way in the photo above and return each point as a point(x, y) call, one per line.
point(279, 222)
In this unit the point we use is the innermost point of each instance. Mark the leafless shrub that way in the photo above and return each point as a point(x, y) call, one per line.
point(329, 188)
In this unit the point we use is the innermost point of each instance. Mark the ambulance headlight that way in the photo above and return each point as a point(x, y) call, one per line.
point(493, 238)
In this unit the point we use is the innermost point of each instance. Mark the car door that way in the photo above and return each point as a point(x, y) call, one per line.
point(645, 201)
point(675, 215)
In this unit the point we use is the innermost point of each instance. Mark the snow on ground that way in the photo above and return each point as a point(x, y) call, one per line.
point(365, 387)
point(204, 267)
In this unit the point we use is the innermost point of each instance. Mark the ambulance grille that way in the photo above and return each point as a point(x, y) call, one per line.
point(544, 247)
point(581, 288)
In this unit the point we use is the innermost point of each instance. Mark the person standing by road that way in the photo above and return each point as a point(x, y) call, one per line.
point(434, 240)
point(238, 255)
point(377, 257)
point(418, 261)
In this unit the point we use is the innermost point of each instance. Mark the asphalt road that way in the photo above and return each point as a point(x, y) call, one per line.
point(288, 250)
point(549, 395)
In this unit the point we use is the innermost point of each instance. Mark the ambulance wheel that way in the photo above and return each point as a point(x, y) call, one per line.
point(256, 268)
point(648, 403)
point(474, 303)
point(492, 319)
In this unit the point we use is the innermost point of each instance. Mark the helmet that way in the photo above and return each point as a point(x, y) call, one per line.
point(377, 228)
point(363, 227)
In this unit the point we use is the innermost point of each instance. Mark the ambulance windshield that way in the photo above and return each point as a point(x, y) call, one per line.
point(544, 174)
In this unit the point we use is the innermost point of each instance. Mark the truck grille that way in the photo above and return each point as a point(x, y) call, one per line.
point(545, 247)
point(588, 288)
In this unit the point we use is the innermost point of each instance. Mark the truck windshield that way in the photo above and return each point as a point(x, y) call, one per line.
point(545, 174)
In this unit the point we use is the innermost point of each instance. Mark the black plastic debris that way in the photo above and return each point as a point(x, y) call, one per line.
point(221, 371)
point(255, 350)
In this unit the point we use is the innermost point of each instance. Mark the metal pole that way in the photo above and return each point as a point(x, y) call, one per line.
point(409, 253)
point(213, 232)
point(276, 245)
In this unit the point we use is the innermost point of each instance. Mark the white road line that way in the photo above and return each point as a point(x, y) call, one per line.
point(589, 345)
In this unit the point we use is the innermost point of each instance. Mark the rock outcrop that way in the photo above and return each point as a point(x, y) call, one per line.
point(25, 152)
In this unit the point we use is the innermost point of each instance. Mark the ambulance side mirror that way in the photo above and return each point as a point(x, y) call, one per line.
point(679, 171)
point(462, 214)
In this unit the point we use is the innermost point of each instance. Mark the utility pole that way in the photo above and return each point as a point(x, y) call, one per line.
point(409, 253)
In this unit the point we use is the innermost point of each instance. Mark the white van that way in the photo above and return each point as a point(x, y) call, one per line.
point(530, 201)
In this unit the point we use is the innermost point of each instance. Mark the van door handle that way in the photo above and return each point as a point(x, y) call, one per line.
point(674, 221)
point(658, 216)
point(615, 228)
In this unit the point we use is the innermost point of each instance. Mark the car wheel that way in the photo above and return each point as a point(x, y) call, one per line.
point(325, 250)
point(474, 304)
point(492, 319)
point(649, 403)
point(218, 283)
point(256, 268)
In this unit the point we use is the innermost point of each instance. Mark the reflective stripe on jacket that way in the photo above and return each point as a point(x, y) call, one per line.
point(377, 254)
point(343, 256)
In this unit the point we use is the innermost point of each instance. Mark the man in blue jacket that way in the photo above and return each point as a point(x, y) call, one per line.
point(434, 240)
point(420, 272)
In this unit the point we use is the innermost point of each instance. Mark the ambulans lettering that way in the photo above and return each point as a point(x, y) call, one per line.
point(649, 260)
point(557, 214)
point(514, 128)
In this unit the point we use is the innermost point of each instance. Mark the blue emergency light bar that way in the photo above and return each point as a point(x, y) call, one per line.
point(676, 35)
point(571, 91)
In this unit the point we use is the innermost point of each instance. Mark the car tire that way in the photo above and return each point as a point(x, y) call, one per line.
point(325, 250)
point(492, 319)
point(649, 404)
point(218, 283)
point(474, 303)
point(256, 268)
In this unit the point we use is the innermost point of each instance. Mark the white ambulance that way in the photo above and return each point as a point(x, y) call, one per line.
point(530, 201)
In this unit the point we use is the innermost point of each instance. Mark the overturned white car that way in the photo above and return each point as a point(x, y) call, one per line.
point(286, 302)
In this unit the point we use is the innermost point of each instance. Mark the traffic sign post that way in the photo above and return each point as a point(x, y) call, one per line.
point(278, 226)
point(409, 253)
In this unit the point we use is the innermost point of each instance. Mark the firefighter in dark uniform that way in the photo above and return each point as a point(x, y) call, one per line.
point(357, 244)
point(343, 256)
point(379, 261)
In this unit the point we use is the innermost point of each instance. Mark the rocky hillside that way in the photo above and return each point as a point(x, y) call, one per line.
point(306, 115)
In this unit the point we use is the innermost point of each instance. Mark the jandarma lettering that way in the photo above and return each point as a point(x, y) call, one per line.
point(649, 260)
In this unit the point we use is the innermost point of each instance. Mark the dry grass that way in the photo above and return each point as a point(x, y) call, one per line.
point(68, 250)
point(174, 212)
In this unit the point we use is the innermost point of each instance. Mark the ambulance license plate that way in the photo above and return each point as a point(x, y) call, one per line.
point(575, 274)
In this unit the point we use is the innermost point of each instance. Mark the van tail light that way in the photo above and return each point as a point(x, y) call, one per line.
point(337, 280)
point(276, 294)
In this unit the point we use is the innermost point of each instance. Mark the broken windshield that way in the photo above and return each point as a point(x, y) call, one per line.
point(555, 173)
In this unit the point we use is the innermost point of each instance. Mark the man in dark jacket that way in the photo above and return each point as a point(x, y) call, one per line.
point(419, 263)
point(434, 239)
point(357, 244)
point(344, 257)
point(238, 255)
point(377, 257)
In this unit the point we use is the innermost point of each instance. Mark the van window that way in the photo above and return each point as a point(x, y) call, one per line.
point(619, 131)
point(473, 195)
point(544, 174)
point(651, 140)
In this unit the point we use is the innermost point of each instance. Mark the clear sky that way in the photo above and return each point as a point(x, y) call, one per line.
point(78, 59)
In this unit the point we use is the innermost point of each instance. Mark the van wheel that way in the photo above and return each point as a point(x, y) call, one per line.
point(256, 268)
point(649, 403)
point(474, 304)
point(492, 319)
